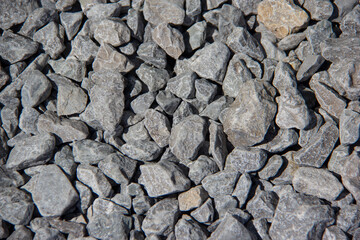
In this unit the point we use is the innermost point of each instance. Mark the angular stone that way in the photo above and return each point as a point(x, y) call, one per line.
point(86, 196)
point(142, 103)
point(10, 178)
point(211, 4)
point(52, 191)
point(33, 151)
point(215, 108)
point(300, 217)
point(69, 67)
point(106, 101)
point(211, 61)
point(141, 150)
point(141, 204)
point(350, 24)
point(282, 17)
point(317, 34)
point(112, 31)
point(246, 114)
point(218, 147)
point(201, 168)
point(334, 232)
point(284, 139)
point(187, 137)
point(291, 41)
point(84, 49)
point(51, 37)
point(163, 178)
point(221, 183)
point(205, 213)
point(111, 215)
point(319, 10)
point(317, 182)
point(205, 91)
point(152, 54)
point(315, 152)
point(154, 78)
point(136, 132)
point(272, 52)
point(35, 89)
point(108, 58)
point(193, 10)
point(183, 85)
point(192, 198)
point(225, 203)
point(350, 175)
point(91, 152)
point(195, 36)
point(21, 232)
point(335, 49)
point(187, 228)
point(310, 65)
point(67, 130)
point(9, 117)
point(242, 189)
point(64, 159)
point(48, 233)
point(247, 6)
point(103, 10)
point(349, 127)
point(71, 22)
point(28, 120)
point(15, 12)
point(135, 21)
point(263, 204)
point(162, 11)
point(241, 41)
point(95, 179)
point(348, 218)
point(246, 159)
point(15, 48)
point(158, 126)
point(170, 39)
point(338, 158)
point(64, 5)
point(272, 167)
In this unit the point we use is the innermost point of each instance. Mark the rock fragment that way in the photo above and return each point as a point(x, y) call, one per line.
point(163, 11)
point(169, 39)
point(112, 31)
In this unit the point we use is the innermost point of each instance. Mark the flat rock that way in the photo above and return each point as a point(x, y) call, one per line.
point(52, 191)
point(187, 228)
point(141, 150)
point(163, 178)
point(310, 65)
point(158, 126)
point(319, 10)
point(32, 151)
point(291, 41)
point(69, 67)
point(263, 204)
point(108, 58)
point(242, 189)
point(195, 36)
point(163, 11)
point(272, 167)
point(170, 39)
point(152, 54)
point(349, 127)
point(350, 23)
point(317, 34)
point(187, 137)
point(246, 159)
point(91, 152)
point(35, 89)
point(335, 49)
point(350, 174)
point(205, 213)
point(221, 183)
point(334, 232)
point(15, 12)
point(112, 31)
point(183, 85)
point(272, 13)
point(317, 182)
point(28, 120)
point(284, 139)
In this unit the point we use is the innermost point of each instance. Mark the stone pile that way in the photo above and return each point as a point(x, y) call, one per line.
point(179, 119)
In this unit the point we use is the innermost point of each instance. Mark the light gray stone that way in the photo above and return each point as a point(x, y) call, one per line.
point(65, 160)
point(247, 6)
point(221, 183)
point(319, 10)
point(28, 120)
point(141, 150)
point(225, 203)
point(187, 228)
point(84, 49)
point(205, 213)
point(163, 11)
point(16, 12)
point(350, 175)
point(242, 189)
point(158, 126)
point(215, 108)
point(64, 5)
point(135, 21)
point(334, 49)
point(263, 204)
point(272, 167)
point(183, 85)
point(349, 127)
point(71, 22)
point(69, 67)
point(350, 25)
point(291, 41)
point(309, 66)
point(85, 195)
point(284, 139)
point(154, 78)
point(338, 158)
point(334, 232)
point(112, 31)
point(103, 10)
point(21, 232)
point(142, 103)
point(37, 19)
point(35, 89)
point(152, 54)
point(195, 36)
point(170, 39)
point(201, 168)
point(218, 148)
point(91, 152)
point(246, 159)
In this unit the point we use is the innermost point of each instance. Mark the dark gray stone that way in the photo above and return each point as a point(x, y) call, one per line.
point(183, 85)
point(152, 54)
point(272, 167)
point(167, 101)
point(37, 19)
point(263, 204)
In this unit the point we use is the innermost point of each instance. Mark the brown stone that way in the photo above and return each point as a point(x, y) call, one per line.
point(282, 17)
point(192, 198)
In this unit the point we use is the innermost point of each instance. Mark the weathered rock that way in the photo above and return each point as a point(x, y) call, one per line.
point(112, 31)
point(136, 132)
point(158, 127)
point(348, 218)
point(108, 58)
point(135, 21)
point(334, 232)
point(16, 12)
point(291, 41)
point(335, 49)
point(84, 49)
point(170, 39)
point(141, 150)
point(37, 19)
point(282, 17)
point(349, 127)
point(142, 103)
point(272, 167)
point(225, 203)
point(187, 137)
point(205, 213)
point(9, 117)
point(310, 65)
point(111, 215)
point(284, 139)
point(70, 68)
point(64, 5)
point(52, 191)
point(35, 89)
point(163, 178)
point(32, 151)
point(95, 179)
point(71, 22)
point(316, 151)
point(218, 147)
point(242, 189)
point(317, 182)
point(247, 120)
point(350, 24)
point(103, 10)
point(28, 120)
point(21, 232)
point(91, 152)
point(161, 217)
point(154, 78)
point(221, 183)
point(246, 159)
point(319, 10)
point(183, 85)
point(86, 196)
point(192, 198)
point(195, 36)
point(210, 62)
point(247, 6)
point(163, 11)
point(141, 204)
point(263, 204)
point(187, 228)
point(201, 168)
point(317, 34)
point(152, 54)
point(350, 175)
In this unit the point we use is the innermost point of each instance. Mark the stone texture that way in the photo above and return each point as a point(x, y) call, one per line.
point(192, 198)
point(71, 22)
point(187, 228)
point(221, 183)
point(263, 204)
point(141, 150)
point(350, 25)
point(152, 54)
point(291, 41)
point(218, 148)
point(205, 213)
point(163, 11)
point(183, 85)
point(195, 36)
point(334, 232)
point(272, 167)
point(154, 78)
point(28, 120)
point(247, 6)
point(37, 19)
point(84, 49)
point(242, 189)
point(310, 65)
point(158, 126)
point(91, 152)
point(170, 39)
point(317, 34)
point(16, 12)
point(69, 67)
point(246, 159)
point(202, 167)
point(349, 127)
point(282, 17)
point(112, 31)
point(35, 89)
point(334, 49)
point(108, 58)
point(350, 175)
point(319, 10)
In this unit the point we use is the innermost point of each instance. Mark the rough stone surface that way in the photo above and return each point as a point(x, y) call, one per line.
point(169, 39)
point(16, 12)
point(91, 152)
point(158, 127)
point(246, 160)
point(113, 32)
point(221, 183)
point(35, 89)
point(349, 127)
point(192, 198)
point(163, 11)
point(108, 58)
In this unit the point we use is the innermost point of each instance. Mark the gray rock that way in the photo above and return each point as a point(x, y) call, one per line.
point(192, 11)
point(187, 228)
point(205, 213)
point(69, 67)
point(242, 189)
point(195, 36)
point(263, 204)
point(170, 39)
point(291, 41)
point(316, 151)
point(163, 178)
point(247, 6)
point(103, 10)
point(272, 52)
point(118, 167)
point(187, 137)
point(335, 49)
point(214, 109)
point(350, 175)
point(246, 114)
point(317, 182)
point(135, 21)
point(158, 126)
point(246, 159)
point(4, 77)
point(112, 31)
point(4, 143)
point(64, 159)
point(221, 183)
point(142, 103)
point(106, 101)
point(91, 152)
point(84, 49)
point(10, 178)
point(201, 168)
point(129, 49)
point(167, 101)
point(32, 151)
point(210, 62)
point(67, 130)
point(183, 85)
point(334, 232)
point(350, 24)
point(141, 150)
point(154, 78)
point(28, 120)
point(52, 191)
point(108, 58)
point(231, 228)
point(240, 40)
point(122, 199)
point(161, 218)
point(272, 167)
point(311, 64)
point(262, 228)
point(319, 10)
point(16, 12)
point(284, 139)
point(136, 132)
point(21, 232)
point(184, 110)
point(163, 11)
point(48, 233)
point(10, 116)
point(35, 90)
point(218, 147)
point(348, 218)
point(134, 189)
point(95, 179)
point(152, 54)
point(343, 8)
point(51, 37)
point(317, 34)
point(338, 158)
point(111, 215)
point(205, 91)
point(349, 127)
point(86, 196)
point(37, 19)
point(300, 217)
point(71, 22)
point(64, 5)
point(192, 198)
point(225, 203)
point(141, 204)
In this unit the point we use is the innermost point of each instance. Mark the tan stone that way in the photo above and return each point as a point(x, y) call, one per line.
point(282, 17)
point(192, 198)
point(170, 39)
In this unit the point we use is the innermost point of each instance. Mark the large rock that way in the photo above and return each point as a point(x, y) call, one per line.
point(112, 31)
point(71, 22)
point(250, 116)
point(170, 39)
point(163, 178)
point(52, 192)
point(221, 183)
point(158, 126)
point(35, 89)
point(350, 174)
point(163, 11)
point(187, 228)
point(335, 49)
point(187, 137)
point(154, 78)
point(91, 152)
point(15, 12)
point(108, 58)
point(349, 127)
point(246, 159)
point(282, 17)
point(142, 150)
